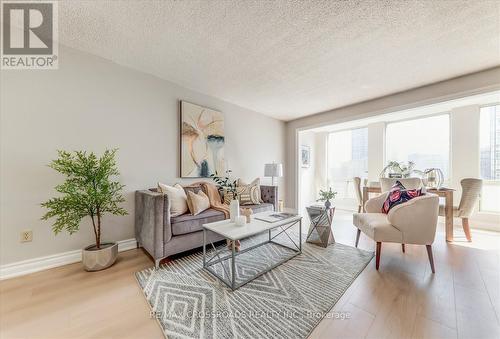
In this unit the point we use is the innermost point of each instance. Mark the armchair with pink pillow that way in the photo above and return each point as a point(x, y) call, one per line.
point(410, 222)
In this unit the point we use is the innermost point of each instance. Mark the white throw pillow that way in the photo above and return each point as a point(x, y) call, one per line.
point(176, 196)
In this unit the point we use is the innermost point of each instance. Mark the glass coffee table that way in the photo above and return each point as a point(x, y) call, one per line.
point(231, 231)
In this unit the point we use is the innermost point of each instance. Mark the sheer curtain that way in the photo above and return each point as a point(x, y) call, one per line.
point(347, 155)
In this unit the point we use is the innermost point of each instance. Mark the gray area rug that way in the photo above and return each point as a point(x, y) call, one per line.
point(287, 302)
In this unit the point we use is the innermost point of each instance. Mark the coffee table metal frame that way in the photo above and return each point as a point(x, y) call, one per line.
point(231, 278)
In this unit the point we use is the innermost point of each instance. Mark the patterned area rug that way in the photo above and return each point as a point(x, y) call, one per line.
point(287, 302)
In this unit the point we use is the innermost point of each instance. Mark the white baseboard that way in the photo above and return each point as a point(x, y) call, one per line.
point(43, 263)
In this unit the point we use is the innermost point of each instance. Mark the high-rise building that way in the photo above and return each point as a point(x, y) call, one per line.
point(359, 152)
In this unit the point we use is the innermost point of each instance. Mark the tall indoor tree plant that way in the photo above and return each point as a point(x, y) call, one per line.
point(88, 191)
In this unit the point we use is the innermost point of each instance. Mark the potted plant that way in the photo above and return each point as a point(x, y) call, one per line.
point(396, 169)
point(326, 196)
point(88, 191)
point(228, 186)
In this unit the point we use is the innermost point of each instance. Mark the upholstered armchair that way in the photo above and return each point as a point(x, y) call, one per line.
point(412, 222)
point(471, 191)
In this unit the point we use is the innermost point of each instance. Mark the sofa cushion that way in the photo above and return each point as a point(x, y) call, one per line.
point(177, 197)
point(197, 202)
point(195, 188)
point(249, 194)
point(227, 196)
point(260, 207)
point(187, 223)
point(377, 227)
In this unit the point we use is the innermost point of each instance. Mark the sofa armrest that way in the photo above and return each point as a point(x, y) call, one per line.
point(269, 194)
point(416, 219)
point(374, 205)
point(152, 221)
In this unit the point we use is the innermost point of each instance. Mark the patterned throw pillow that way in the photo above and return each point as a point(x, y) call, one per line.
point(249, 194)
point(398, 195)
point(227, 197)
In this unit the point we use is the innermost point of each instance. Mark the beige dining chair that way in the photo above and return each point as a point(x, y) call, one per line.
point(412, 222)
point(357, 190)
point(408, 183)
point(471, 191)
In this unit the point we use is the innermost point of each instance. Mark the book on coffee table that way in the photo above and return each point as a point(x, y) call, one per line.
point(274, 217)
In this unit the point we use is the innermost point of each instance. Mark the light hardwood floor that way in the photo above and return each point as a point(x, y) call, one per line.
point(402, 300)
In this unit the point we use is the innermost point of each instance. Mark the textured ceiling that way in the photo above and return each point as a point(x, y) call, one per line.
point(288, 59)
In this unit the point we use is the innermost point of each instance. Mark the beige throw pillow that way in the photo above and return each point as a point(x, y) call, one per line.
point(176, 196)
point(249, 194)
point(197, 202)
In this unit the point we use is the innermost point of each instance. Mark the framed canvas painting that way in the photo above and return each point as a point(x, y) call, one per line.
point(202, 141)
point(305, 156)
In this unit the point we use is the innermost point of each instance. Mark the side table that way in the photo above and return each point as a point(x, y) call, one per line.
point(320, 231)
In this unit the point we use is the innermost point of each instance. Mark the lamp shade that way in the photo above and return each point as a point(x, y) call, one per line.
point(273, 170)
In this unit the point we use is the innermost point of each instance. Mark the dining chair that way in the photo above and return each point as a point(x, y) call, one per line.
point(471, 191)
point(357, 190)
point(408, 183)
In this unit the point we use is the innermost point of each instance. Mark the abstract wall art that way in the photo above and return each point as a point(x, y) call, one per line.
point(202, 141)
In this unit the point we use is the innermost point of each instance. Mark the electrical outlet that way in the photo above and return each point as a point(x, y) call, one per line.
point(27, 236)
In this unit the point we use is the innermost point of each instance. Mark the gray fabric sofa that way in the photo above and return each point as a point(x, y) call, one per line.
point(162, 235)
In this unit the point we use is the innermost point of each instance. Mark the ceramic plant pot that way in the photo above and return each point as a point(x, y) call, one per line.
point(328, 204)
point(95, 259)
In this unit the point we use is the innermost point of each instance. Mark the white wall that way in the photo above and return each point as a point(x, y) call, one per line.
point(376, 153)
point(307, 175)
point(93, 104)
point(321, 164)
point(312, 178)
point(464, 132)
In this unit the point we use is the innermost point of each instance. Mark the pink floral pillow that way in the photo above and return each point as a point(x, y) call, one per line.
point(398, 195)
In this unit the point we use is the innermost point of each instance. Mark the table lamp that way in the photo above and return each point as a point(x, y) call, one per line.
point(273, 170)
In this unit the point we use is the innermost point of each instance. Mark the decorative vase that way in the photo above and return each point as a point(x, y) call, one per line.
point(95, 259)
point(234, 209)
point(328, 204)
point(433, 178)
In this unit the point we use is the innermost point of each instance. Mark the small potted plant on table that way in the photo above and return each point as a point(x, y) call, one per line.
point(326, 196)
point(228, 186)
point(396, 169)
point(88, 191)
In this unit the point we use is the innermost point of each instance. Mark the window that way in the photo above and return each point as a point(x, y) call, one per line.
point(424, 141)
point(489, 148)
point(347, 158)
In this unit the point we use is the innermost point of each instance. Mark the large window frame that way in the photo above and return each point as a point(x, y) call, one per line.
point(494, 182)
point(447, 177)
point(349, 181)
